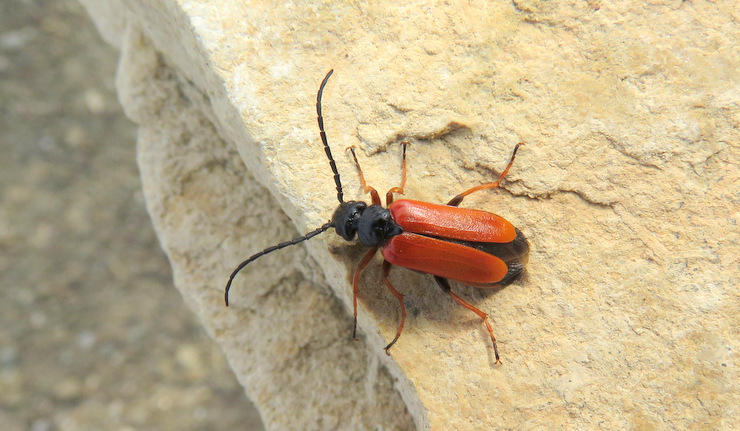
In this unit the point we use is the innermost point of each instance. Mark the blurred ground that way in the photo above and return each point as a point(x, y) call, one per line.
point(92, 333)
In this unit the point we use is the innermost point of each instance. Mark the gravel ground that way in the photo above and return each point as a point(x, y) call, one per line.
point(92, 333)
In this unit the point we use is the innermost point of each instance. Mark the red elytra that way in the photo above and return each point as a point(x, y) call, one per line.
point(451, 222)
point(470, 246)
point(425, 244)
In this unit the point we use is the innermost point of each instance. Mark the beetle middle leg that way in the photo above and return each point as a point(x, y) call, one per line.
point(445, 285)
point(356, 285)
point(459, 198)
point(387, 269)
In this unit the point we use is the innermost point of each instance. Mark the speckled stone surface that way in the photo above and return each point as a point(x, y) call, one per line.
point(627, 189)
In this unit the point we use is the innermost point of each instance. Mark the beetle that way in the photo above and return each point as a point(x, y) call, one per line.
point(469, 246)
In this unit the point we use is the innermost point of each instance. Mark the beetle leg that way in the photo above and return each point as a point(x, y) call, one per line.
point(399, 190)
point(367, 188)
point(445, 285)
point(356, 284)
point(459, 198)
point(387, 269)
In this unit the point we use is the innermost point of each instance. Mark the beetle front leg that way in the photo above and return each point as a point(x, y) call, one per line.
point(445, 285)
point(374, 196)
point(399, 190)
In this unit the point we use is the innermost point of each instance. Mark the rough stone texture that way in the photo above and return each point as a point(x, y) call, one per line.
point(627, 189)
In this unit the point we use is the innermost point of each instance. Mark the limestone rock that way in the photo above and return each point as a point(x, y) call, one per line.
point(627, 189)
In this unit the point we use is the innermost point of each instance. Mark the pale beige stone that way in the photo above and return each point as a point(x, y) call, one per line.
point(627, 188)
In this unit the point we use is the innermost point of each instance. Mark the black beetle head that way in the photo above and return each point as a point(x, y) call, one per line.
point(346, 218)
point(376, 226)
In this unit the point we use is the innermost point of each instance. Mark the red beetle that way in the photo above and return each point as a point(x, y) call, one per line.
point(473, 247)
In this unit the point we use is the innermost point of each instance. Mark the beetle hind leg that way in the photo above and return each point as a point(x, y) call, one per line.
point(387, 269)
point(445, 285)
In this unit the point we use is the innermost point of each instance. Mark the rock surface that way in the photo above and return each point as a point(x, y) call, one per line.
point(627, 189)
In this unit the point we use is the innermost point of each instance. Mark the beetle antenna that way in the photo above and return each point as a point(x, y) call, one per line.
point(340, 195)
point(270, 250)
